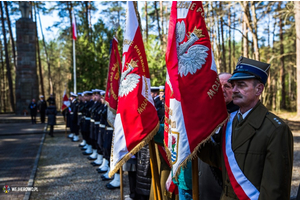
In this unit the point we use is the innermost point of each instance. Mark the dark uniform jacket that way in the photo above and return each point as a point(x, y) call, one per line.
point(86, 124)
point(81, 113)
point(263, 147)
point(74, 115)
point(51, 112)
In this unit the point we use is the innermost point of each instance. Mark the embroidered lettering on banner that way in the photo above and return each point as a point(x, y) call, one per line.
point(214, 88)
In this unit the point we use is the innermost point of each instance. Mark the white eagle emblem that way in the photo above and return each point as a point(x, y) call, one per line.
point(195, 55)
point(127, 85)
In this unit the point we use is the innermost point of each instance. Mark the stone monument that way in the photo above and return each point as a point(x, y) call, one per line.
point(27, 86)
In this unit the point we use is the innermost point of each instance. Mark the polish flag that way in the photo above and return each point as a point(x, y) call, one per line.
point(194, 101)
point(74, 30)
point(136, 120)
point(66, 102)
point(113, 81)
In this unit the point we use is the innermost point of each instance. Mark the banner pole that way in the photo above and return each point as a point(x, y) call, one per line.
point(121, 184)
point(154, 171)
point(74, 67)
point(195, 178)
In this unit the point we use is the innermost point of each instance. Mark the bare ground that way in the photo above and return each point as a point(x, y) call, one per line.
point(64, 173)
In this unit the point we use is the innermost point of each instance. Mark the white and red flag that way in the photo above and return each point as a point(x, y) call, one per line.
point(65, 101)
point(195, 105)
point(74, 30)
point(113, 80)
point(136, 121)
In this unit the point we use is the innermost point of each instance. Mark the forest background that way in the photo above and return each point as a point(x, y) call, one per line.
point(264, 30)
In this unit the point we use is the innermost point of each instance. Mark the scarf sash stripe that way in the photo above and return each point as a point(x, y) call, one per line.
point(242, 187)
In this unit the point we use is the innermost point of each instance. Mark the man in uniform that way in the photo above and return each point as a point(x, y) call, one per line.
point(256, 151)
point(86, 124)
point(98, 129)
point(73, 118)
point(104, 167)
point(42, 106)
point(80, 107)
point(160, 104)
point(93, 129)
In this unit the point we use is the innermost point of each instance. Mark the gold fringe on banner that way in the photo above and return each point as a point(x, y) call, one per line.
point(138, 147)
point(194, 153)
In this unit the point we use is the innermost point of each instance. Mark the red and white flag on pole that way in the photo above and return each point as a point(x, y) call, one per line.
point(74, 30)
point(195, 105)
point(113, 80)
point(136, 121)
point(65, 101)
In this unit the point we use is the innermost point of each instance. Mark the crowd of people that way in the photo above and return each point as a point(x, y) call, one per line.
point(250, 157)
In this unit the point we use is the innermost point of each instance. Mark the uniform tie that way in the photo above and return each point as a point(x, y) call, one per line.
point(240, 118)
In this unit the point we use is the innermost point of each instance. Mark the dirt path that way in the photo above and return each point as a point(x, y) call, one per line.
point(64, 173)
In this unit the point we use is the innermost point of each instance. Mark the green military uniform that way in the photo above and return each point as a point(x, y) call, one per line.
point(263, 147)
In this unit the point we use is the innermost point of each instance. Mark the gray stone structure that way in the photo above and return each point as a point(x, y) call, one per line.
point(27, 86)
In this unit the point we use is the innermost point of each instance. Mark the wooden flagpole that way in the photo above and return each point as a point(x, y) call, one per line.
point(121, 184)
point(154, 171)
point(195, 178)
point(153, 160)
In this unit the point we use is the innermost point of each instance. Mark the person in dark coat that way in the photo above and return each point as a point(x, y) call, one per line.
point(51, 112)
point(51, 99)
point(33, 110)
point(143, 174)
point(42, 105)
point(256, 151)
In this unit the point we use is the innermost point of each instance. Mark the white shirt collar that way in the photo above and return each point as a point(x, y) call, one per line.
point(245, 114)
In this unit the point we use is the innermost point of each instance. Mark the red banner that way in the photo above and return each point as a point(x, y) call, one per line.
point(65, 101)
point(195, 104)
point(136, 120)
point(113, 80)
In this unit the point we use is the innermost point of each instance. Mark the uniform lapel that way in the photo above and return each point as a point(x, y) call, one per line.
point(244, 131)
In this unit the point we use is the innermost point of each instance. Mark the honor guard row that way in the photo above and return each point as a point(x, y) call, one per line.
point(88, 113)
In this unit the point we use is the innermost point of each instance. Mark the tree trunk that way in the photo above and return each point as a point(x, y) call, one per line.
point(233, 42)
point(282, 69)
point(229, 42)
point(39, 54)
point(11, 35)
point(47, 57)
point(162, 24)
point(297, 23)
point(8, 73)
point(147, 25)
point(223, 41)
point(158, 24)
point(245, 31)
point(3, 86)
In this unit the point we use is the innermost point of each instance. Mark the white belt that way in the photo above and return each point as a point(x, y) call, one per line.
point(92, 120)
point(71, 113)
point(87, 118)
point(79, 113)
point(102, 126)
point(97, 122)
point(109, 128)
